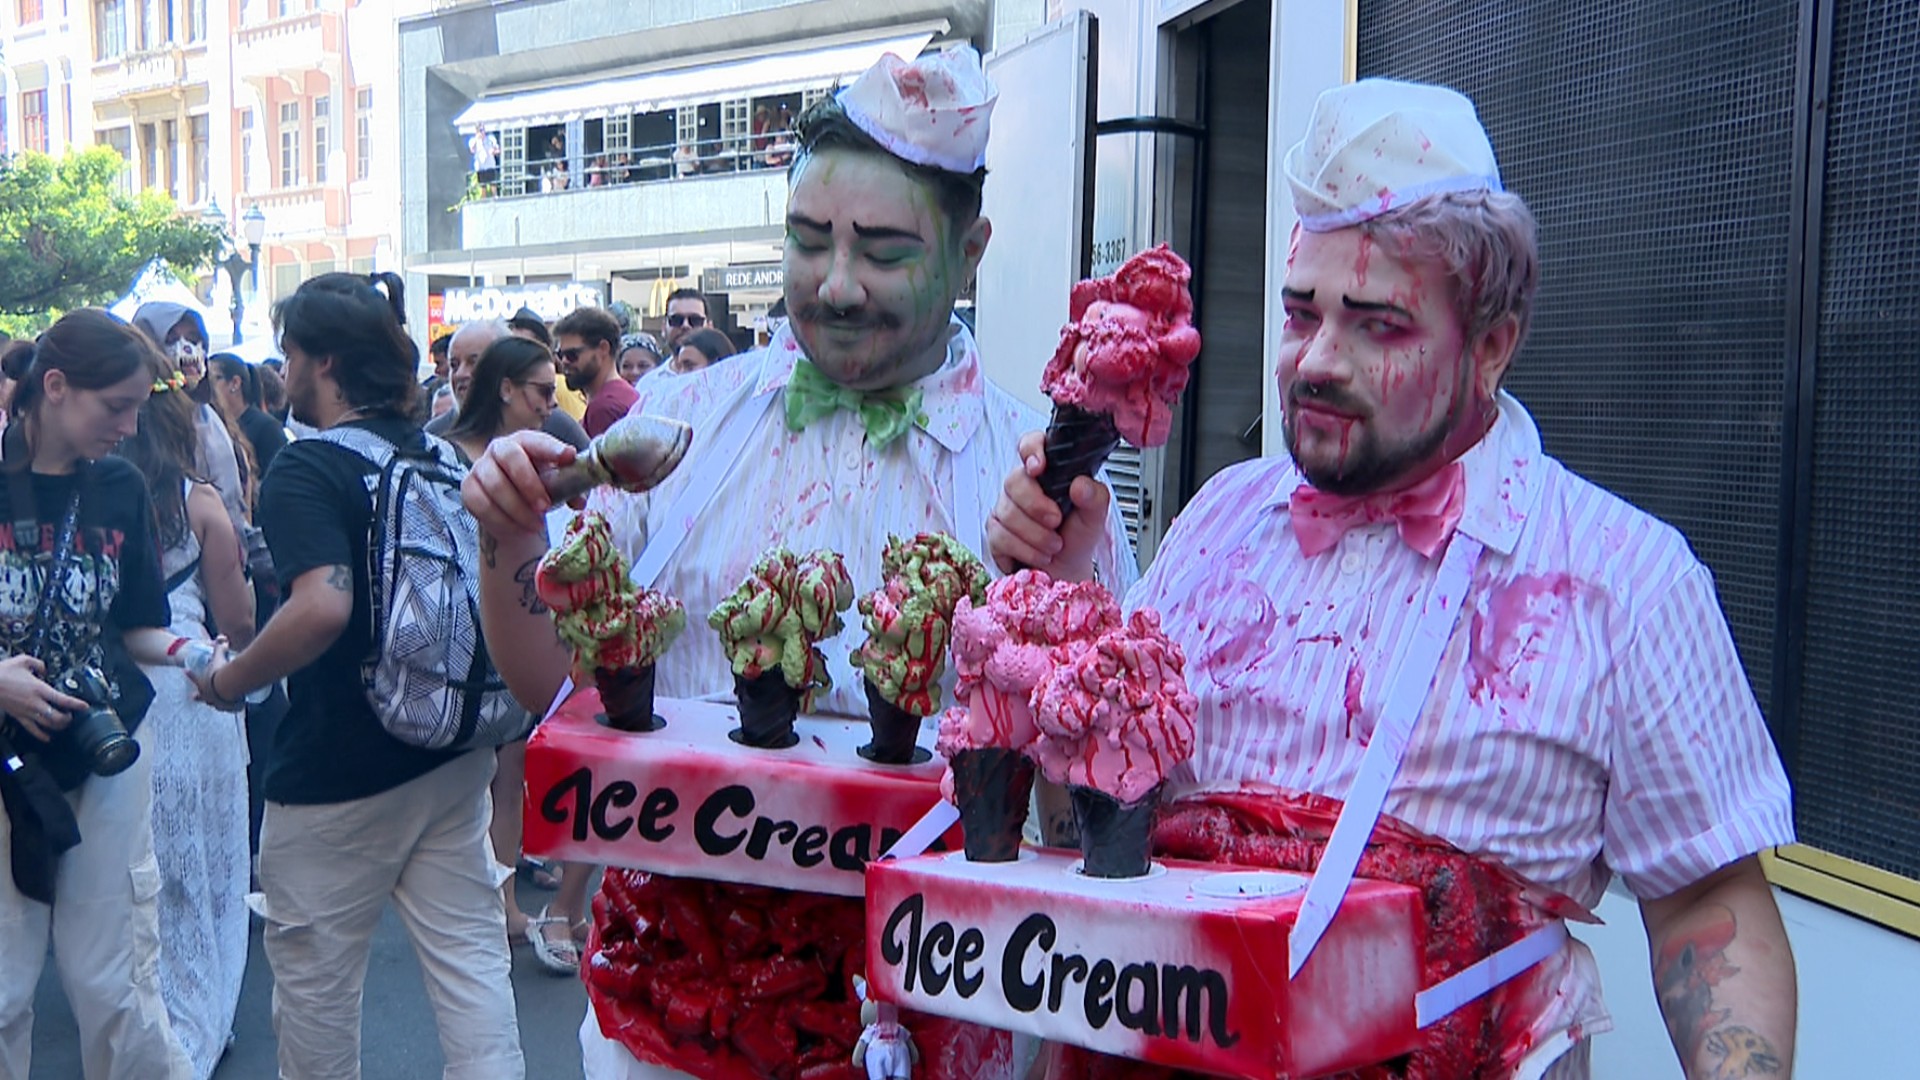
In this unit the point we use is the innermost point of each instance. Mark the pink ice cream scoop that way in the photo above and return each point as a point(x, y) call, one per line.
point(1003, 651)
point(1127, 351)
point(1115, 714)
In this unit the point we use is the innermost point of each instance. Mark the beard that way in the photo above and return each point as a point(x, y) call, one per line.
point(578, 378)
point(1370, 466)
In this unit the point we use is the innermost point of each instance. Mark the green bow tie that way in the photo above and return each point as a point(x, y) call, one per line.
point(886, 414)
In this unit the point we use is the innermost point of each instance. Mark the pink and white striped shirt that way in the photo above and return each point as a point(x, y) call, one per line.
point(1590, 715)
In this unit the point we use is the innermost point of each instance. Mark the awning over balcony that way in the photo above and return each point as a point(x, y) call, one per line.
point(761, 76)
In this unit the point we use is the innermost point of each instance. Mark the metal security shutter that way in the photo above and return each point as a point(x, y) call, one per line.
point(1654, 141)
point(1125, 478)
point(1859, 723)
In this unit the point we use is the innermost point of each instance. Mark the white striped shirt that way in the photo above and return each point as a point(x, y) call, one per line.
point(824, 487)
point(1590, 715)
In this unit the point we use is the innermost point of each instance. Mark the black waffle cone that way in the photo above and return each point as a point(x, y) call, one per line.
point(768, 707)
point(1114, 836)
point(1078, 443)
point(992, 787)
point(626, 697)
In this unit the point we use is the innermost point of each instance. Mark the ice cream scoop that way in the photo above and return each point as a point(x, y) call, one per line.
point(1003, 650)
point(617, 631)
point(1121, 365)
point(636, 454)
point(909, 620)
point(771, 627)
point(1115, 714)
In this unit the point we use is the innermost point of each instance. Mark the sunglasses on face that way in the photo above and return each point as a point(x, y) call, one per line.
point(546, 390)
point(695, 321)
point(569, 355)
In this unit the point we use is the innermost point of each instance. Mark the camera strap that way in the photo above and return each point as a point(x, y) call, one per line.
point(26, 537)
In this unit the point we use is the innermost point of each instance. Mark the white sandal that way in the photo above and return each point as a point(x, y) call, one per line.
point(562, 957)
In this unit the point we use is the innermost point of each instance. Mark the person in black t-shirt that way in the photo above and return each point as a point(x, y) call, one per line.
point(354, 816)
point(80, 389)
point(236, 395)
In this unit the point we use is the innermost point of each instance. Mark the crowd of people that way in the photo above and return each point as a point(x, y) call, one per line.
point(199, 538)
point(174, 560)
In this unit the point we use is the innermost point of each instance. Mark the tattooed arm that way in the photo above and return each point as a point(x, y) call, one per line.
point(318, 608)
point(1724, 974)
point(504, 493)
point(529, 654)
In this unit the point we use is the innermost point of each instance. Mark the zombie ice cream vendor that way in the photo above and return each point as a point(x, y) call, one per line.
point(1577, 709)
point(868, 414)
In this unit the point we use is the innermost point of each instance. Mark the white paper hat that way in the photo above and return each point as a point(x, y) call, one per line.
point(1376, 144)
point(933, 111)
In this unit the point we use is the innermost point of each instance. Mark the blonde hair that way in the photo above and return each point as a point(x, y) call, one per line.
point(1488, 242)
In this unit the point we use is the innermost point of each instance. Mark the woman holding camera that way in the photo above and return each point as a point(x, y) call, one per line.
point(81, 601)
point(198, 754)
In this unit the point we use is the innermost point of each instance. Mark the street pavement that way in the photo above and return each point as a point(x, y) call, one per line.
point(398, 1040)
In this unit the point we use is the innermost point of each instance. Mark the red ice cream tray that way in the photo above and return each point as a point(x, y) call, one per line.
point(688, 801)
point(1186, 967)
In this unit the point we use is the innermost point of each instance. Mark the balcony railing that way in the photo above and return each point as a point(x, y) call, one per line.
point(139, 73)
point(294, 43)
point(634, 207)
point(666, 161)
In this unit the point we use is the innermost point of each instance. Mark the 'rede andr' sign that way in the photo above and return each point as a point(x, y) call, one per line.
point(688, 801)
point(1185, 968)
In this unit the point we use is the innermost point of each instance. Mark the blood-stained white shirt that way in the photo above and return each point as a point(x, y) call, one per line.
point(824, 487)
point(1590, 715)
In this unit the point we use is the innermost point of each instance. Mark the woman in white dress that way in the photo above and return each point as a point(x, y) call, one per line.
point(199, 754)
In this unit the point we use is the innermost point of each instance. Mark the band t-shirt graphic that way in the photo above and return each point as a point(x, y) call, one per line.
point(113, 578)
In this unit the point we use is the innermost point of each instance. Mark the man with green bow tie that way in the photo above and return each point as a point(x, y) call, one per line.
point(867, 413)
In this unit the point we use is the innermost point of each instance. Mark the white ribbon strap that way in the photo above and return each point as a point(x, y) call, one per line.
point(1378, 766)
point(559, 699)
point(716, 465)
point(1439, 1001)
point(932, 826)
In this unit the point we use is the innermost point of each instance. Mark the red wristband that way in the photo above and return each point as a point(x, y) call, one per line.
point(178, 644)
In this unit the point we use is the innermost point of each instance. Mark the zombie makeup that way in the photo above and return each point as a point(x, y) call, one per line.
point(872, 269)
point(1375, 378)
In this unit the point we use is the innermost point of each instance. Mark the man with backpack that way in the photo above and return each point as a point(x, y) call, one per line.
point(377, 782)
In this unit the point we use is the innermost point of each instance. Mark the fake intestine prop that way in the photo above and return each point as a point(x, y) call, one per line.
point(737, 982)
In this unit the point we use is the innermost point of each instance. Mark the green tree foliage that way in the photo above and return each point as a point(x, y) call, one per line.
point(69, 237)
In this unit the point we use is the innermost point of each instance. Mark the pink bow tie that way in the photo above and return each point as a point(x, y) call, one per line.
point(1425, 513)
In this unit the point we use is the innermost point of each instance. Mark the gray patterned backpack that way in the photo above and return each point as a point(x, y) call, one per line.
point(429, 677)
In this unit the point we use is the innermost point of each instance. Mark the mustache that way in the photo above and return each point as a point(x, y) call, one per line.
point(813, 311)
point(1331, 397)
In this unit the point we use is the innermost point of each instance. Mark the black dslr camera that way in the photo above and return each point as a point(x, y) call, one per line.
point(96, 734)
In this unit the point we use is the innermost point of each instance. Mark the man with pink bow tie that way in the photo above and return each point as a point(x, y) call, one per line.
point(1554, 661)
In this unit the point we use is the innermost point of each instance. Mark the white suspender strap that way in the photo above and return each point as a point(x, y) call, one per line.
point(966, 496)
point(723, 454)
point(1439, 1001)
point(1381, 762)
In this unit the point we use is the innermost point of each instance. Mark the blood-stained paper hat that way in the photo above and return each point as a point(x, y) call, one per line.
point(1376, 145)
point(933, 111)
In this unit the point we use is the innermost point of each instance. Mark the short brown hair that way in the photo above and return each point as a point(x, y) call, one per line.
point(1488, 242)
point(591, 325)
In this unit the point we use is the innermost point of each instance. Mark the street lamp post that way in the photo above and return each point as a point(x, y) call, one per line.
point(253, 227)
